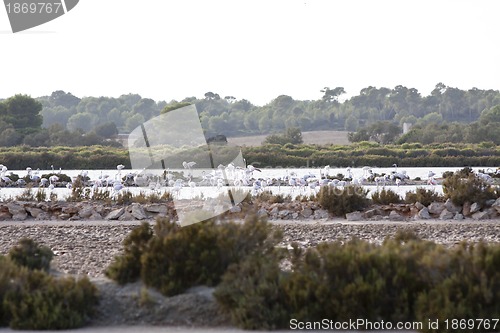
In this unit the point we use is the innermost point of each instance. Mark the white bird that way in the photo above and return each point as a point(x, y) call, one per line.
point(188, 165)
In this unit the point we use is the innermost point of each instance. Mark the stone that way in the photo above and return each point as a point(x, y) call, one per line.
point(451, 207)
point(262, 212)
point(354, 216)
point(157, 208)
point(493, 213)
point(475, 207)
point(138, 212)
point(372, 212)
point(321, 214)
point(86, 212)
point(490, 202)
point(458, 216)
point(33, 211)
point(446, 215)
point(436, 208)
point(126, 216)
point(71, 210)
point(466, 208)
point(235, 209)
point(295, 215)
point(481, 215)
point(284, 213)
point(115, 214)
point(395, 216)
point(306, 212)
point(424, 214)
point(419, 205)
point(496, 205)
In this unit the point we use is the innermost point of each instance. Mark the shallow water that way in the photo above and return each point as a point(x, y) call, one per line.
point(213, 191)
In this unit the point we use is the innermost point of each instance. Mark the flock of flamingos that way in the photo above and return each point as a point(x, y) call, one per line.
point(224, 175)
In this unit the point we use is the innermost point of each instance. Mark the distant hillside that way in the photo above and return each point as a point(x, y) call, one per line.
point(312, 137)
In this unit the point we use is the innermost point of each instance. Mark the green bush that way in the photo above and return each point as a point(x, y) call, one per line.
point(386, 197)
point(340, 201)
point(252, 292)
point(404, 279)
point(176, 258)
point(38, 301)
point(422, 195)
point(30, 254)
point(461, 188)
point(468, 290)
point(126, 268)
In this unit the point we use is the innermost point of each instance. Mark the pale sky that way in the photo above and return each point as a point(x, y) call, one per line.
point(257, 50)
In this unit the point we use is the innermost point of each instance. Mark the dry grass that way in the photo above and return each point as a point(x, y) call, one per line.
point(313, 137)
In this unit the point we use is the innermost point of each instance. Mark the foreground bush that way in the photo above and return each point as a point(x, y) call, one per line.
point(31, 299)
point(38, 301)
point(340, 201)
point(175, 258)
point(30, 254)
point(405, 279)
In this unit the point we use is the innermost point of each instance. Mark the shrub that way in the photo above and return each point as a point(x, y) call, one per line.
point(340, 201)
point(422, 195)
point(30, 254)
point(127, 267)
point(39, 301)
point(460, 188)
point(385, 197)
point(176, 258)
point(252, 292)
point(468, 290)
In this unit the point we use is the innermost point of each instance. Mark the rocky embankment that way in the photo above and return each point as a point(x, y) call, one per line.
point(295, 210)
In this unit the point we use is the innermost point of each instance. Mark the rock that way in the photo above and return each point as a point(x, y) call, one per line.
point(33, 211)
point(354, 216)
point(126, 216)
point(262, 212)
point(424, 214)
point(446, 215)
point(71, 210)
point(458, 216)
point(284, 213)
point(419, 205)
point(490, 202)
point(235, 209)
point(18, 212)
point(493, 213)
point(5, 215)
point(95, 216)
point(157, 208)
point(321, 214)
point(274, 212)
point(475, 207)
point(451, 207)
point(372, 212)
point(395, 216)
point(481, 215)
point(86, 212)
point(295, 215)
point(115, 214)
point(306, 212)
point(466, 209)
point(436, 208)
point(496, 205)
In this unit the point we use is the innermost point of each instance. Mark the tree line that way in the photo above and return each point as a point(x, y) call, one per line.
point(375, 114)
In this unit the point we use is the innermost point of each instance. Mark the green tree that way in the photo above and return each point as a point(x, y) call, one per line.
point(23, 112)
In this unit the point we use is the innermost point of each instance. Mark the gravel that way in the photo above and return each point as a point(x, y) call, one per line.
point(87, 248)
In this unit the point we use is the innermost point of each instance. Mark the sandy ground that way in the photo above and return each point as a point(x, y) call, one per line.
point(88, 247)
